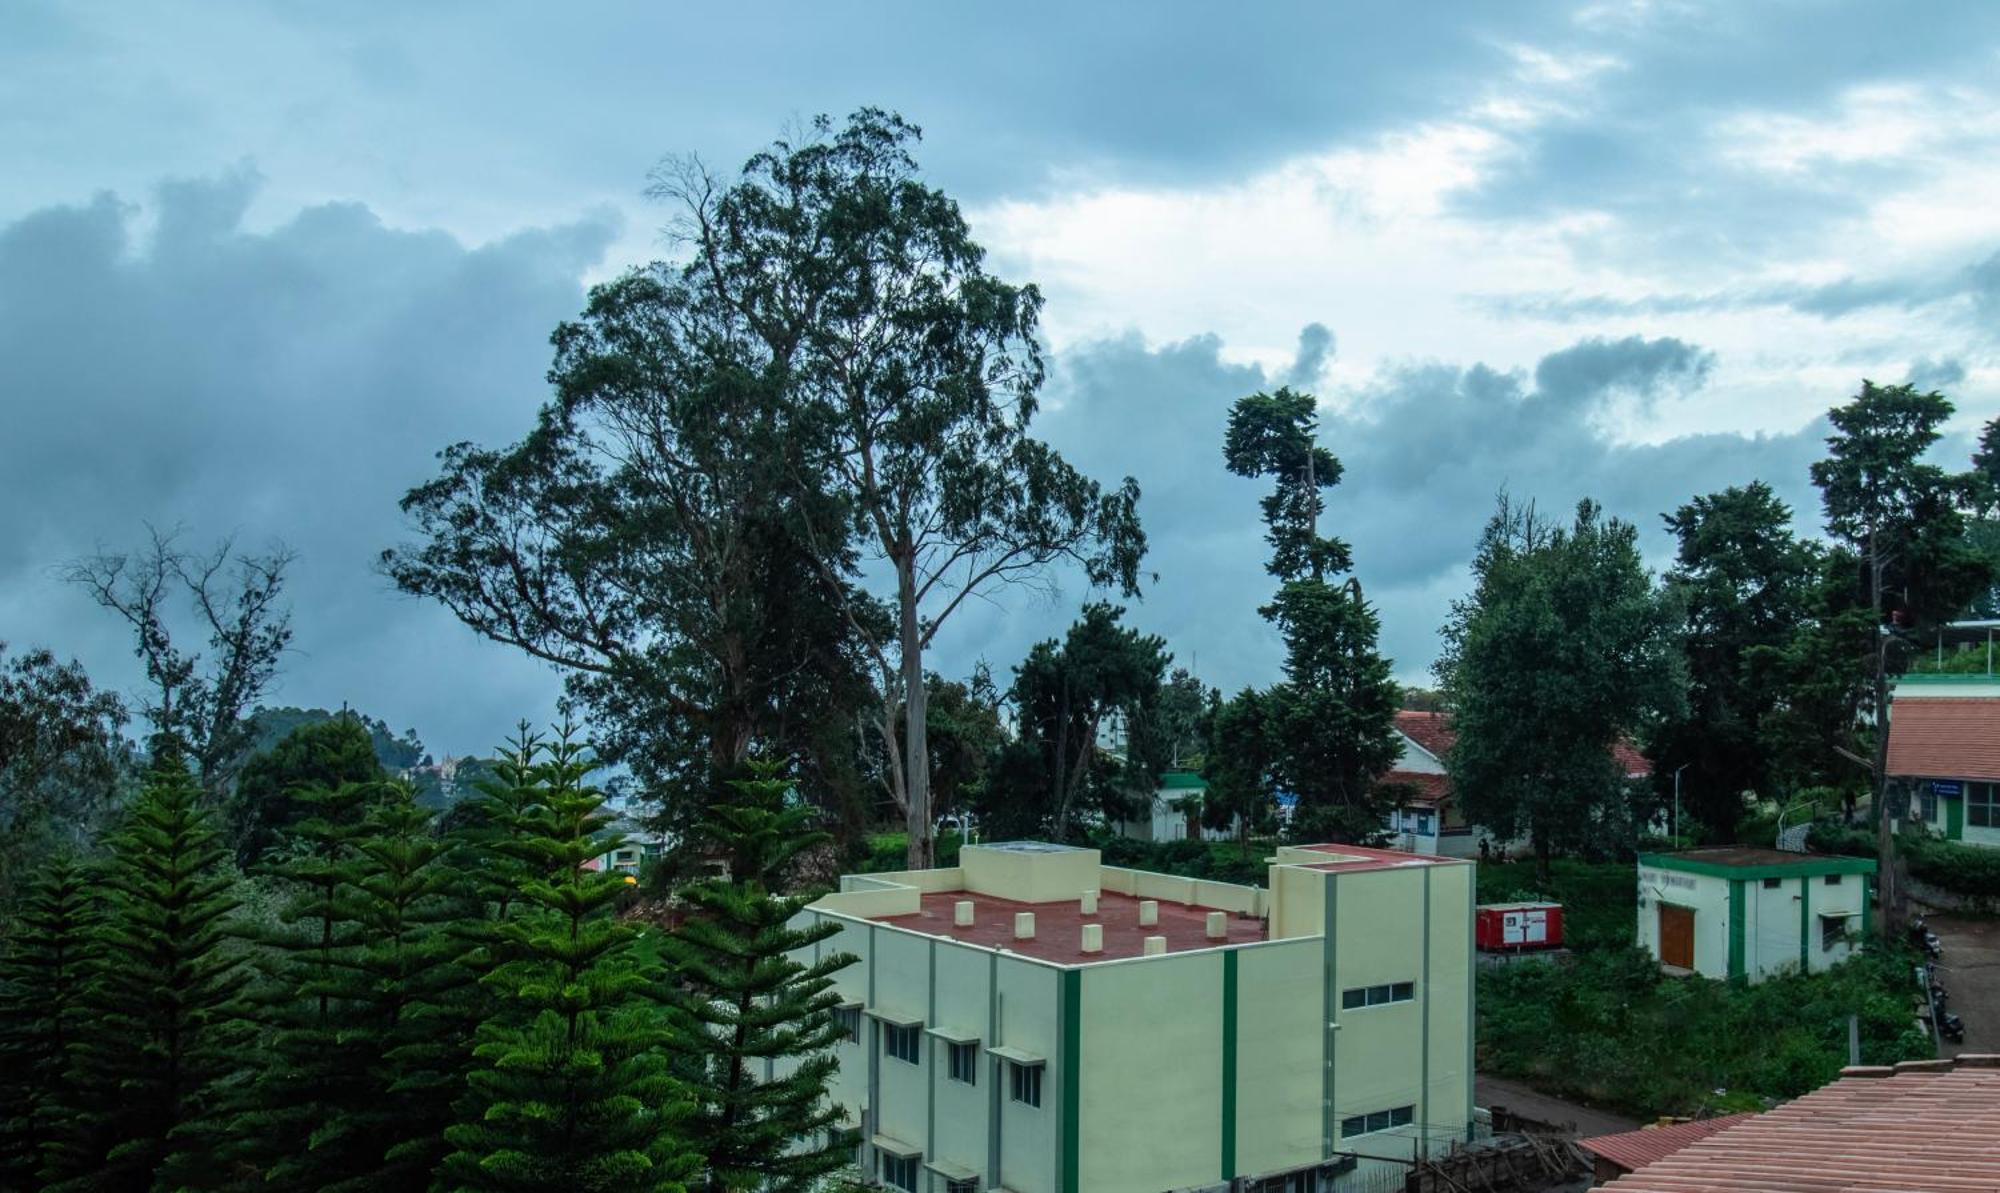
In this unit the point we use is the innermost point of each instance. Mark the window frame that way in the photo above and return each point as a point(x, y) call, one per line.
point(848, 1020)
point(1024, 1079)
point(894, 1033)
point(1982, 805)
point(1376, 1121)
point(962, 1054)
point(1365, 998)
point(909, 1165)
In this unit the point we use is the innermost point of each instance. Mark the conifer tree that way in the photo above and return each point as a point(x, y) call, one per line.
point(570, 1089)
point(756, 1024)
point(162, 1037)
point(41, 981)
point(289, 1124)
point(404, 979)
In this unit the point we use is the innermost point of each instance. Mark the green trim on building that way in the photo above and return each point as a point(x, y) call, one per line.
point(1808, 864)
point(1736, 967)
point(1954, 817)
point(1183, 780)
point(1924, 677)
point(1229, 1064)
point(1072, 1080)
point(1805, 924)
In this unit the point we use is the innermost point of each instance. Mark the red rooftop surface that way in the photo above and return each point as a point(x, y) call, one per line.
point(1363, 857)
point(1633, 1150)
point(1931, 1125)
point(1059, 926)
point(1945, 738)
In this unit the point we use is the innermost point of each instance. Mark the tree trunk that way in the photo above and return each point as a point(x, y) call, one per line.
point(1542, 853)
point(1888, 887)
point(916, 749)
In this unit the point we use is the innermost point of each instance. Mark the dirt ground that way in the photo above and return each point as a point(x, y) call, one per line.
point(1487, 1091)
point(1971, 965)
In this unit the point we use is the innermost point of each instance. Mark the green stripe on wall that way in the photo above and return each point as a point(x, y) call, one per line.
point(1805, 922)
point(1072, 1051)
point(1229, 1064)
point(1736, 926)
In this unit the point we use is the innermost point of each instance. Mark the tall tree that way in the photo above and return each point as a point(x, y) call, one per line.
point(1101, 678)
point(162, 1035)
point(1744, 582)
point(1902, 519)
point(317, 756)
point(1187, 708)
point(42, 971)
point(965, 730)
point(644, 536)
point(571, 1088)
point(62, 759)
point(755, 1022)
point(1241, 764)
point(198, 699)
point(1982, 530)
point(1564, 647)
point(1332, 721)
point(915, 374)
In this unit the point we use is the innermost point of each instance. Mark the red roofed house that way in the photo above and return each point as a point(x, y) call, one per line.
point(1944, 743)
point(1629, 1151)
point(1429, 821)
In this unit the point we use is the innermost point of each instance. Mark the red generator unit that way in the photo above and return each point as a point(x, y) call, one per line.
point(1515, 927)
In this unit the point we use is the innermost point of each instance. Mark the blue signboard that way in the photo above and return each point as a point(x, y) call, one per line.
point(1948, 787)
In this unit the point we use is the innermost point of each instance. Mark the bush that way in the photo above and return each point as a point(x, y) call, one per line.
point(1610, 1030)
point(1962, 869)
point(1600, 899)
point(1830, 836)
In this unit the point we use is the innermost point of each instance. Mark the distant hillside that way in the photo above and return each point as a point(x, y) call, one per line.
point(396, 753)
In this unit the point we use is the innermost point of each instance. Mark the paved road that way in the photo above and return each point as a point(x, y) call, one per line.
point(1486, 1091)
point(1971, 965)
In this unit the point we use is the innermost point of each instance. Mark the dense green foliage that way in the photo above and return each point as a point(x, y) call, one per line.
point(1600, 899)
point(1065, 694)
point(1564, 648)
point(571, 1088)
point(165, 1039)
point(1611, 1030)
point(1329, 728)
point(755, 1027)
point(317, 754)
point(42, 972)
point(61, 758)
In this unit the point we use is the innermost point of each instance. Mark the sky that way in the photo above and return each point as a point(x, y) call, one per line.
point(260, 261)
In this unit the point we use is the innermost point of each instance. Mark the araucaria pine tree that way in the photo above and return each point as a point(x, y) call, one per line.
point(293, 1122)
point(41, 981)
point(755, 1024)
point(162, 1034)
point(407, 991)
point(570, 1089)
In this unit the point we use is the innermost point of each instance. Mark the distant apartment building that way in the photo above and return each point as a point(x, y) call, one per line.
point(1033, 1020)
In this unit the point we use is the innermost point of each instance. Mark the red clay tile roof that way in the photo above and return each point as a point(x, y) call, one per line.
point(1432, 731)
point(1633, 1150)
point(1945, 737)
point(1431, 789)
point(1924, 1125)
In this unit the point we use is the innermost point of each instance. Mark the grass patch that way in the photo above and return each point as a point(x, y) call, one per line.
point(1610, 1030)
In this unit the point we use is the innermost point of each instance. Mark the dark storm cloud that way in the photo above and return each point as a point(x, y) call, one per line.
point(288, 383)
point(1426, 448)
point(1316, 346)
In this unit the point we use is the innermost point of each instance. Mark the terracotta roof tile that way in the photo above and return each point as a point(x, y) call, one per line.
point(1945, 737)
point(1433, 733)
point(1890, 1131)
point(1431, 789)
point(1633, 1150)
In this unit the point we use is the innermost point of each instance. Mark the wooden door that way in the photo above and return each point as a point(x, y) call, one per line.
point(1677, 936)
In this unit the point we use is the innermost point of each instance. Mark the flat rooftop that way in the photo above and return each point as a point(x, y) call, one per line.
point(1362, 857)
point(1742, 857)
point(1059, 926)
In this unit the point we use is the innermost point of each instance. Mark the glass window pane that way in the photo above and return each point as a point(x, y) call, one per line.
point(1377, 995)
point(1350, 999)
point(1356, 1125)
point(1403, 991)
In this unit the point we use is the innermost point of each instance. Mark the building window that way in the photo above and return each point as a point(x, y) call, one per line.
point(900, 1041)
point(1380, 1120)
point(1772, 884)
point(1927, 804)
point(1297, 1182)
point(848, 1020)
point(1376, 996)
point(1980, 799)
point(968, 1185)
point(1833, 880)
point(1024, 1083)
point(964, 1062)
point(899, 1172)
point(1832, 931)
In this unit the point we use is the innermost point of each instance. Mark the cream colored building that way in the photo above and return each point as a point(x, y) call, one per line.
point(1743, 913)
point(1033, 1020)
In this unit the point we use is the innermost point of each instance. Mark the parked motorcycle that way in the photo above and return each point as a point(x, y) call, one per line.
point(1952, 1028)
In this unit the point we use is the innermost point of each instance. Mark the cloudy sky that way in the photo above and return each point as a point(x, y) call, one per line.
point(259, 261)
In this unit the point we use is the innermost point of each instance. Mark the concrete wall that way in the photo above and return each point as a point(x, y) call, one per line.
point(1280, 998)
point(1192, 892)
point(1708, 897)
point(1777, 920)
point(1030, 876)
point(1151, 1073)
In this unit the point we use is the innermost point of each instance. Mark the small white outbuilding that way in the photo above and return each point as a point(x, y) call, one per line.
point(1735, 912)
